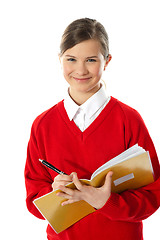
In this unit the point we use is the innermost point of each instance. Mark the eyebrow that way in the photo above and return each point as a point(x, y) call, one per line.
point(75, 57)
point(70, 56)
point(93, 57)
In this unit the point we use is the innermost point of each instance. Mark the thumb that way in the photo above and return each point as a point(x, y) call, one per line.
point(108, 181)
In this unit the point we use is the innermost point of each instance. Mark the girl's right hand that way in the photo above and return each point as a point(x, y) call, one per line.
point(61, 180)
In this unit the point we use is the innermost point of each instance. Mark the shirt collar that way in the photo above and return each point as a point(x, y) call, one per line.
point(90, 107)
point(70, 106)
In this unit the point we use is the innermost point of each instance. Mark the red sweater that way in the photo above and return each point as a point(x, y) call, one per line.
point(59, 141)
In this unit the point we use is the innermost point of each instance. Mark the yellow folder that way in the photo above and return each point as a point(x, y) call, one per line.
point(131, 170)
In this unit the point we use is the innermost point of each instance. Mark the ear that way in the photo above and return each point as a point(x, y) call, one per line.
point(59, 58)
point(107, 61)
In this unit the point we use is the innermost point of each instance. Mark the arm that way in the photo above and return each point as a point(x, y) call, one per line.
point(136, 205)
point(131, 205)
point(37, 179)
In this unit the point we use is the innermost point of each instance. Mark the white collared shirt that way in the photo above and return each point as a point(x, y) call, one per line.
point(86, 113)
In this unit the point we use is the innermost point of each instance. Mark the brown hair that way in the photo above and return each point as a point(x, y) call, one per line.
point(84, 29)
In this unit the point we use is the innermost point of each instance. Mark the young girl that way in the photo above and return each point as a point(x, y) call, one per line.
point(82, 132)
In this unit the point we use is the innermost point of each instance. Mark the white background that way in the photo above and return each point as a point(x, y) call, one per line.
point(31, 82)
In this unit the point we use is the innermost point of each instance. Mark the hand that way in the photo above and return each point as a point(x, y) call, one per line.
point(61, 180)
point(96, 197)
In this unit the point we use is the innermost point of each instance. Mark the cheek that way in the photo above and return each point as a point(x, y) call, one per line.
point(97, 71)
point(67, 70)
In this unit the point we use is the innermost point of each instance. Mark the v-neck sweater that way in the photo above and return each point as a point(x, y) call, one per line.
point(87, 112)
point(59, 141)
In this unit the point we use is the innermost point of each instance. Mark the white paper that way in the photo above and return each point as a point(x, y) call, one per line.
point(123, 179)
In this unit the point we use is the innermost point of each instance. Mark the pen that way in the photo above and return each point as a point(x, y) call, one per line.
point(51, 166)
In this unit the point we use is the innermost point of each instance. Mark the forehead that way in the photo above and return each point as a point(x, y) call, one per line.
point(85, 49)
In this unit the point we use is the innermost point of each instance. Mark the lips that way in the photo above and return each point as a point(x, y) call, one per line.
point(82, 79)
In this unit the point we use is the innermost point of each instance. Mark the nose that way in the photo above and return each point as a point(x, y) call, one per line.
point(81, 69)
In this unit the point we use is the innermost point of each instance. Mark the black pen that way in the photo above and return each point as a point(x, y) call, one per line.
point(51, 167)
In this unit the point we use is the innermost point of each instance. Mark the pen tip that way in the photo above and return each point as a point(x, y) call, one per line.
point(40, 160)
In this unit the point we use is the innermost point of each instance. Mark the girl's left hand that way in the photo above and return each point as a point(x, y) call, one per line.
point(96, 197)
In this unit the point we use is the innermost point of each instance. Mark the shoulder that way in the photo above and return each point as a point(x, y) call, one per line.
point(128, 115)
point(126, 111)
point(134, 126)
point(45, 117)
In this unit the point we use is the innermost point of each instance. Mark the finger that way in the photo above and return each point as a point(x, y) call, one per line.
point(64, 195)
point(57, 184)
point(69, 194)
point(109, 177)
point(63, 177)
point(68, 202)
point(110, 174)
point(66, 190)
point(76, 181)
point(108, 180)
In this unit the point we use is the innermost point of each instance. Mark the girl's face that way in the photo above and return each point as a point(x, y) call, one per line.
point(83, 66)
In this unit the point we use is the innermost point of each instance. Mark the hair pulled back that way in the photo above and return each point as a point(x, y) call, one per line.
point(84, 29)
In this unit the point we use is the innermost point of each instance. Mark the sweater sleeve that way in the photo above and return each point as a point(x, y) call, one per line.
point(136, 205)
point(37, 179)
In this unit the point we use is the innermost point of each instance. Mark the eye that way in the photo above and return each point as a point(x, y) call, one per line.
point(71, 59)
point(91, 60)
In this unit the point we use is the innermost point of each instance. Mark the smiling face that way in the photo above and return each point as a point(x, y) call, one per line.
point(83, 66)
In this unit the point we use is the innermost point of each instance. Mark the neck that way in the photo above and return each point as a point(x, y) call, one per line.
point(80, 97)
